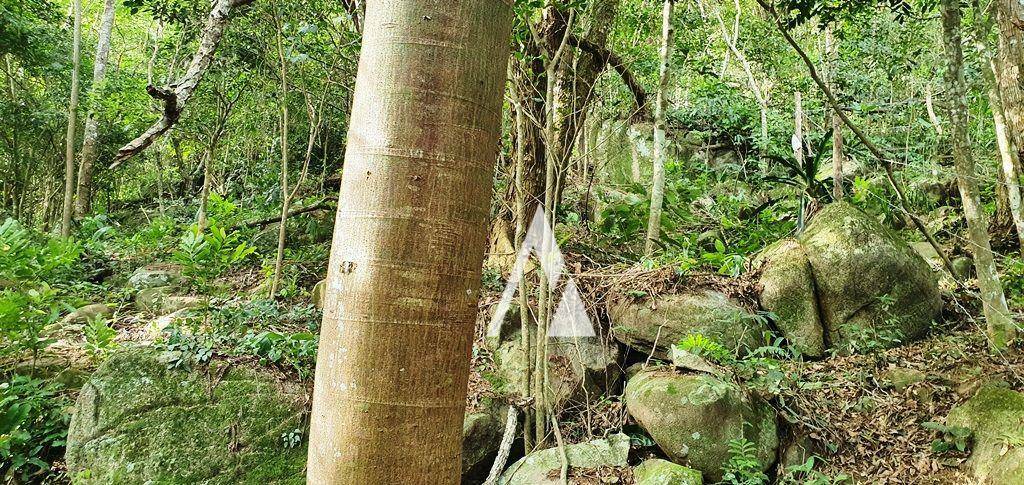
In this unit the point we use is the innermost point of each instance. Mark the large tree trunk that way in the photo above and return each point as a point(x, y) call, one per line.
point(404, 272)
point(660, 142)
point(69, 142)
point(1000, 325)
point(83, 196)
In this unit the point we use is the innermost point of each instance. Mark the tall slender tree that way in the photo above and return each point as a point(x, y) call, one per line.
point(404, 272)
point(69, 142)
point(660, 141)
point(83, 194)
point(1001, 329)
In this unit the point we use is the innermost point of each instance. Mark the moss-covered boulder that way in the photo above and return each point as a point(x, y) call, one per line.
point(864, 281)
point(996, 416)
point(578, 367)
point(692, 418)
point(667, 319)
point(788, 290)
point(542, 467)
point(663, 472)
point(138, 422)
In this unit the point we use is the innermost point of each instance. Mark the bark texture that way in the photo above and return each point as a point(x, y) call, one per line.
point(1010, 21)
point(404, 273)
point(83, 194)
point(1000, 326)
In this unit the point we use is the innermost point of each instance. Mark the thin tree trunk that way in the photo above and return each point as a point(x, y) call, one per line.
point(756, 89)
point(282, 229)
point(404, 273)
point(69, 142)
point(1001, 329)
point(521, 126)
point(660, 142)
point(832, 50)
point(83, 196)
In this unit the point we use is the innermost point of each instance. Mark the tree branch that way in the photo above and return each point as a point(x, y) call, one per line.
point(176, 96)
point(322, 204)
point(609, 58)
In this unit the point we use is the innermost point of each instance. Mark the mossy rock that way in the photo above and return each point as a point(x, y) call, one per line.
point(788, 291)
point(482, 432)
point(155, 276)
point(138, 422)
point(664, 472)
point(542, 467)
point(667, 319)
point(996, 416)
point(693, 417)
point(316, 295)
point(854, 278)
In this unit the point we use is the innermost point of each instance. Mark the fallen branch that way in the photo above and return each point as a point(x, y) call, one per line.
point(322, 204)
point(877, 152)
point(609, 58)
point(176, 96)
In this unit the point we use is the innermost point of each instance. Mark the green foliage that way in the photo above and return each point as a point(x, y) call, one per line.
point(297, 350)
point(703, 346)
point(206, 254)
point(806, 474)
point(951, 438)
point(872, 339)
point(23, 316)
point(99, 337)
point(33, 427)
point(25, 256)
point(743, 467)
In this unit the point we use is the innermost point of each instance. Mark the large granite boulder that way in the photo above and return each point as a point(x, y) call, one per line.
point(693, 417)
point(851, 277)
point(542, 467)
point(138, 422)
point(667, 319)
point(996, 417)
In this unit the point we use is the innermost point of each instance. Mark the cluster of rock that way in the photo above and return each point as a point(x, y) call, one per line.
point(845, 275)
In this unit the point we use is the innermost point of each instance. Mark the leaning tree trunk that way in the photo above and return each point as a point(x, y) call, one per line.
point(410, 232)
point(660, 143)
point(1000, 326)
point(69, 142)
point(83, 195)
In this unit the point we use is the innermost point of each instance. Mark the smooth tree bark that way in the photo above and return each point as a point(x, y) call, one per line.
point(83, 194)
point(1001, 329)
point(410, 233)
point(282, 229)
point(660, 141)
point(69, 141)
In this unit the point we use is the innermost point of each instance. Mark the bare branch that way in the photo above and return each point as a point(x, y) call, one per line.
point(609, 58)
point(176, 96)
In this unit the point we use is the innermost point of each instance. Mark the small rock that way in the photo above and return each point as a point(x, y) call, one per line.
point(662, 472)
point(173, 303)
point(88, 313)
point(155, 277)
point(542, 467)
point(151, 299)
point(901, 378)
point(481, 437)
point(317, 294)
